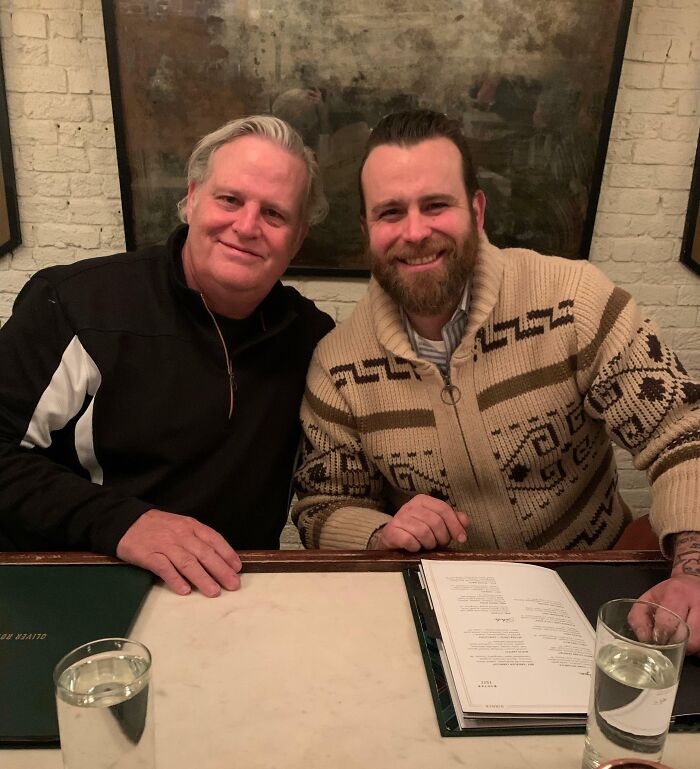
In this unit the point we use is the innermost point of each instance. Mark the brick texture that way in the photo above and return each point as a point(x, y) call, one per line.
point(70, 208)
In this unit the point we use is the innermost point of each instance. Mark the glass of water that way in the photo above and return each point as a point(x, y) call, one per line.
point(105, 706)
point(639, 653)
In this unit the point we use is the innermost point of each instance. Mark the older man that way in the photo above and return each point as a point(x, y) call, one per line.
point(149, 401)
point(471, 398)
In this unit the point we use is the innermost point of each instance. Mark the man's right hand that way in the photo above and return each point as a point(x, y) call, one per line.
point(423, 523)
point(182, 551)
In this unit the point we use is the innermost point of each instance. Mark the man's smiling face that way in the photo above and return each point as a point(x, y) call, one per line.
point(245, 222)
point(422, 230)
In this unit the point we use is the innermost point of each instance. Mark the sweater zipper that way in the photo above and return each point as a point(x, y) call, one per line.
point(229, 368)
point(450, 395)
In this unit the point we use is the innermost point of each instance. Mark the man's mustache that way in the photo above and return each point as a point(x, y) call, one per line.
point(429, 247)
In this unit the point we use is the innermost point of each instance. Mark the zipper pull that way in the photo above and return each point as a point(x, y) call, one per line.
point(450, 393)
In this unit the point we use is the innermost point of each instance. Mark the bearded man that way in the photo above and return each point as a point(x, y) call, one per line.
point(471, 398)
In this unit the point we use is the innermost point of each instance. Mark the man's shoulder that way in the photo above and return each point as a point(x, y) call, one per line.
point(307, 311)
point(534, 277)
point(351, 339)
point(99, 269)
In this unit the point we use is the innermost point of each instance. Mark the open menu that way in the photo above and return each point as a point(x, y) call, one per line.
point(479, 598)
point(515, 646)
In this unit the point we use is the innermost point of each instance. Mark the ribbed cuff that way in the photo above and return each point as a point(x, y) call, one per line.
point(350, 528)
point(675, 505)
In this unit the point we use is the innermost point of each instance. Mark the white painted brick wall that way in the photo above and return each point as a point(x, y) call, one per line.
point(65, 163)
point(642, 206)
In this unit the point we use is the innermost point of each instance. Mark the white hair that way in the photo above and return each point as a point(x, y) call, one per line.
point(277, 131)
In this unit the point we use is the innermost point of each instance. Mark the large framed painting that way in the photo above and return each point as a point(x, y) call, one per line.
point(9, 214)
point(533, 83)
point(690, 247)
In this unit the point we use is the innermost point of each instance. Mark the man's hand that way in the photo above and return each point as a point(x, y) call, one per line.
point(422, 523)
point(680, 592)
point(182, 552)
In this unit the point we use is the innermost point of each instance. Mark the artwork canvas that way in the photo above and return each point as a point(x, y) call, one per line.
point(533, 84)
point(9, 214)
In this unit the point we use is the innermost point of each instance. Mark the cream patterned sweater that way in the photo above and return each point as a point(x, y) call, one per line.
point(555, 362)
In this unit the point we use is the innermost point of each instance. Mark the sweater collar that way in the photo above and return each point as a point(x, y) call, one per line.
point(484, 289)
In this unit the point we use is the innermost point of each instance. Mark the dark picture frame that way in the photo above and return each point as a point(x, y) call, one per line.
point(10, 234)
point(690, 246)
point(534, 83)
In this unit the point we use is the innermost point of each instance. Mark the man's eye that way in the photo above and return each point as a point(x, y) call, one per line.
point(229, 200)
point(273, 214)
point(390, 214)
point(436, 205)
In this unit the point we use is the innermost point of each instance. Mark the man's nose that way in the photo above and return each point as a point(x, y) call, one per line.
point(247, 221)
point(416, 227)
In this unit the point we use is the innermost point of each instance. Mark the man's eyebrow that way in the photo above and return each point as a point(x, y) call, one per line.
point(390, 203)
point(225, 190)
point(396, 202)
point(441, 196)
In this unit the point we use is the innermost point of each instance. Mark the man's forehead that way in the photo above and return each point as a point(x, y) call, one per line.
point(427, 167)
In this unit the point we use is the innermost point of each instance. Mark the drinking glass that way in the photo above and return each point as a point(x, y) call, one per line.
point(639, 653)
point(105, 706)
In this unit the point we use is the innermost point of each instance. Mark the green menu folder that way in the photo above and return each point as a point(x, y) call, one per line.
point(45, 611)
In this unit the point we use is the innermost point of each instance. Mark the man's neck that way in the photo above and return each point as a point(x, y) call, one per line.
point(430, 326)
point(236, 308)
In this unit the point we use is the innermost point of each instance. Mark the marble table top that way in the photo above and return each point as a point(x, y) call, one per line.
point(310, 670)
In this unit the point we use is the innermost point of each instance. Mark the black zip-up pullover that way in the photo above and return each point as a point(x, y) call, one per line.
point(120, 391)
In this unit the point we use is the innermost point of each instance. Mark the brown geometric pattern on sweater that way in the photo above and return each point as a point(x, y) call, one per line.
point(496, 336)
point(606, 507)
point(596, 532)
point(561, 371)
point(651, 374)
point(371, 370)
point(335, 469)
point(415, 473)
point(682, 449)
point(534, 453)
point(527, 382)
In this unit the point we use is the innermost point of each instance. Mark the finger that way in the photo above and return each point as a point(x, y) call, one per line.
point(220, 545)
point(187, 563)
point(435, 523)
point(640, 620)
point(667, 626)
point(451, 521)
point(163, 568)
point(217, 567)
point(396, 538)
point(455, 525)
point(693, 620)
point(418, 528)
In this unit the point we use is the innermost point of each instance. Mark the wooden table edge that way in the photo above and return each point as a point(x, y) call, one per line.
point(361, 560)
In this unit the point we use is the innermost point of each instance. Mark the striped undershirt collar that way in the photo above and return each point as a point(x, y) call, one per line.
point(452, 333)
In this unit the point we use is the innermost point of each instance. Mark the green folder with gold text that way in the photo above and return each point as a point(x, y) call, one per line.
point(45, 611)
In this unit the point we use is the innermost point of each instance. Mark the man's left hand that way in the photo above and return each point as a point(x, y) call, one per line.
point(681, 591)
point(681, 594)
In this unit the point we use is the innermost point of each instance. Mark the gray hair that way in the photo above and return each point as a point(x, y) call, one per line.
point(277, 131)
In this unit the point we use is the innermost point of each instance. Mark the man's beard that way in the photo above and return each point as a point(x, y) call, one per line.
point(432, 291)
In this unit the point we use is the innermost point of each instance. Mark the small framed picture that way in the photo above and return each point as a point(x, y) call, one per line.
point(9, 214)
point(690, 248)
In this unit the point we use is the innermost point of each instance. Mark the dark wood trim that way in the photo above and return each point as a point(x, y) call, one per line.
point(354, 560)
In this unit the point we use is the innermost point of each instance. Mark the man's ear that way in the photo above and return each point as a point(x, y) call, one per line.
point(301, 235)
point(479, 208)
point(191, 195)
